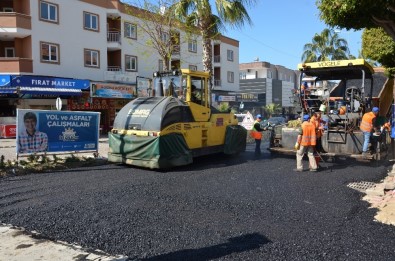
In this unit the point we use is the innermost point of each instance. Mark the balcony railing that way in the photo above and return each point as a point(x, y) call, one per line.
point(15, 20)
point(16, 65)
point(217, 58)
point(114, 68)
point(114, 37)
point(217, 83)
point(176, 50)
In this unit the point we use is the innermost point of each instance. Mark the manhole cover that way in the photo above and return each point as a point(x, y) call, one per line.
point(361, 186)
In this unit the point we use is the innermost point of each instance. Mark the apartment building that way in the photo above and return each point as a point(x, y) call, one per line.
point(263, 83)
point(70, 49)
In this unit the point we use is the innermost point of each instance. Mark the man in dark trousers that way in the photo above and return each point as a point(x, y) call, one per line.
point(256, 133)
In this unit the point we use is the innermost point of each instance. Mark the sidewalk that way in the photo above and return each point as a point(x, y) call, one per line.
point(8, 148)
point(19, 245)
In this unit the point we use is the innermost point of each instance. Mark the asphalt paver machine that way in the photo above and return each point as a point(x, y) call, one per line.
point(342, 91)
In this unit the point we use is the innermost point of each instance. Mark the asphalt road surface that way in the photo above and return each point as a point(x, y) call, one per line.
point(219, 208)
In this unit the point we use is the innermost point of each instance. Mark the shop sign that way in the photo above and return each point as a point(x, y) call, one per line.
point(49, 82)
point(57, 131)
point(247, 97)
point(223, 98)
point(5, 80)
point(7, 130)
point(110, 90)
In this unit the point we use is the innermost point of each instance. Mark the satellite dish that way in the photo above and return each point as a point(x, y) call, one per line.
point(256, 59)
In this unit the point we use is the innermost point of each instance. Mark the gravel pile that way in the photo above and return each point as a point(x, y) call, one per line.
point(219, 208)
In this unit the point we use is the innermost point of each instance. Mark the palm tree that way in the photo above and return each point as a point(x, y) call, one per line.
point(198, 14)
point(325, 47)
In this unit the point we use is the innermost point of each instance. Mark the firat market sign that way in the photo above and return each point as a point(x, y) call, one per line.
point(49, 82)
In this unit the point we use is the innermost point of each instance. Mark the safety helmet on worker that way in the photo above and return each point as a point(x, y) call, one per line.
point(375, 109)
point(306, 117)
point(258, 116)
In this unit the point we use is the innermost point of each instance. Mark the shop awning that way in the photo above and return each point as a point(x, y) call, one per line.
point(50, 91)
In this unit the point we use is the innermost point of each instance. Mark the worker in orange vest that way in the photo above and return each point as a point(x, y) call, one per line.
point(367, 126)
point(256, 134)
point(319, 127)
point(307, 139)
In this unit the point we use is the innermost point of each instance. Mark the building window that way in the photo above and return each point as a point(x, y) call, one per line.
point(9, 52)
point(243, 75)
point(192, 67)
point(160, 65)
point(165, 37)
point(269, 74)
point(91, 21)
point(49, 52)
point(48, 12)
point(91, 58)
point(231, 77)
point(130, 30)
point(131, 63)
point(8, 9)
point(230, 55)
point(192, 46)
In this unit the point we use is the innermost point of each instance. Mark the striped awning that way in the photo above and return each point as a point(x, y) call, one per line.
point(50, 91)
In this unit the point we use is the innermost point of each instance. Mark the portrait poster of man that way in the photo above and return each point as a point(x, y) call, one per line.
point(41, 131)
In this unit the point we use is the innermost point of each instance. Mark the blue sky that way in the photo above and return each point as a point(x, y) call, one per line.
point(280, 30)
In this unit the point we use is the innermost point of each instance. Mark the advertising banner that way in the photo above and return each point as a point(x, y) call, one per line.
point(7, 130)
point(110, 90)
point(56, 131)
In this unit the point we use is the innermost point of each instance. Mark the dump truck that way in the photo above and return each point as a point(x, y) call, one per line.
point(343, 91)
point(170, 124)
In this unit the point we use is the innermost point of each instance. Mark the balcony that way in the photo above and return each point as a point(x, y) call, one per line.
point(217, 83)
point(217, 58)
point(115, 74)
point(176, 50)
point(113, 40)
point(16, 65)
point(14, 25)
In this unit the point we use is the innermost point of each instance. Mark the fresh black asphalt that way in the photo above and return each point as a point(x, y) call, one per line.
point(219, 208)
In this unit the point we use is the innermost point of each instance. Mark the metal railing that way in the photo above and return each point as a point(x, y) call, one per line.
point(114, 37)
point(217, 83)
point(176, 49)
point(217, 58)
point(114, 68)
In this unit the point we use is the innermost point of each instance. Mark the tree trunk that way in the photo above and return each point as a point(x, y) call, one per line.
point(207, 62)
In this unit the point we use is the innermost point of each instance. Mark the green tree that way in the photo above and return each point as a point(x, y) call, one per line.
point(359, 14)
point(159, 23)
point(378, 45)
point(272, 108)
point(325, 46)
point(199, 14)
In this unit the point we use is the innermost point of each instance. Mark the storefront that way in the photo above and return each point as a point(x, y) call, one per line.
point(34, 92)
point(108, 108)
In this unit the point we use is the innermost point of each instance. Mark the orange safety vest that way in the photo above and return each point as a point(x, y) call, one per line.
point(317, 124)
point(254, 133)
point(309, 136)
point(367, 122)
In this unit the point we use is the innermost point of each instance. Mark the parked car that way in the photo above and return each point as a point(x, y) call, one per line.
point(273, 121)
